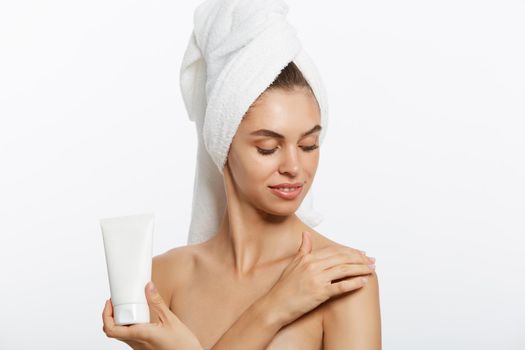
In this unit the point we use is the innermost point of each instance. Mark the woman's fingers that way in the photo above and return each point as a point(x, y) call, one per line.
point(156, 304)
point(346, 285)
point(109, 327)
point(107, 317)
point(346, 270)
point(337, 258)
point(132, 335)
point(306, 244)
point(148, 336)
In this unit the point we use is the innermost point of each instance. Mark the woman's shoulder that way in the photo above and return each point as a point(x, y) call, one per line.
point(176, 261)
point(357, 310)
point(320, 240)
point(171, 268)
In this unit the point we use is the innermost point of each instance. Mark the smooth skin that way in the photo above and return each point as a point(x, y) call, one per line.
point(258, 283)
point(305, 281)
point(162, 333)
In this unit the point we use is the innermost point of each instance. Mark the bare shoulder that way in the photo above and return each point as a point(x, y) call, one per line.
point(351, 320)
point(172, 266)
point(320, 241)
point(170, 269)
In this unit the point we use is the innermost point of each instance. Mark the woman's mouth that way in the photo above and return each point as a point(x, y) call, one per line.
point(286, 192)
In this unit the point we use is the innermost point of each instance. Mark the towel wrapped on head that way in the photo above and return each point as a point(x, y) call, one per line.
point(236, 50)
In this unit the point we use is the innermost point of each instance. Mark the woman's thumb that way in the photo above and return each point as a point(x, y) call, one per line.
point(306, 245)
point(155, 302)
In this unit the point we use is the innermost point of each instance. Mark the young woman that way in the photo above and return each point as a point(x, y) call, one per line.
point(259, 283)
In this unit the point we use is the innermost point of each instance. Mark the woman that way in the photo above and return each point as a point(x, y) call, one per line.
point(253, 279)
point(249, 287)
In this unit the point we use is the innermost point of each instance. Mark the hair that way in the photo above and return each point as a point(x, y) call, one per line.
point(289, 79)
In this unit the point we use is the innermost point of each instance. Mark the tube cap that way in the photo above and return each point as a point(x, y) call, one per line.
point(130, 314)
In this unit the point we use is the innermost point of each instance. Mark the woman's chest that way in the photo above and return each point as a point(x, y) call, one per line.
point(210, 307)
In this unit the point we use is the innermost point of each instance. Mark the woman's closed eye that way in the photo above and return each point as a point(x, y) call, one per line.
point(266, 152)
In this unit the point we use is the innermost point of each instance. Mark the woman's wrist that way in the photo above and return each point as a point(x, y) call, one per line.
point(254, 329)
point(271, 316)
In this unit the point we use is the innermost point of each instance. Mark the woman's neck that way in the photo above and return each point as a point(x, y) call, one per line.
point(249, 240)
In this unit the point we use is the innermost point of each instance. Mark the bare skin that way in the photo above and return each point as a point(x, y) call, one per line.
point(190, 275)
point(209, 285)
point(249, 287)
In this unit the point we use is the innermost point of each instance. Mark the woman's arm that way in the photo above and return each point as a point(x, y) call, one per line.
point(254, 329)
point(350, 321)
point(303, 285)
point(353, 321)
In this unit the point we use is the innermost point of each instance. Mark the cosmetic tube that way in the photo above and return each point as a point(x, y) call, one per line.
point(128, 244)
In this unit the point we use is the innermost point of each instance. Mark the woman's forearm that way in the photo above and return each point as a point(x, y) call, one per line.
point(253, 330)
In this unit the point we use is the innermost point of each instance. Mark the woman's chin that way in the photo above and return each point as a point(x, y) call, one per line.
point(282, 209)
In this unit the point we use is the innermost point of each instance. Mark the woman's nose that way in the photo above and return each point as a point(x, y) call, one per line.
point(289, 162)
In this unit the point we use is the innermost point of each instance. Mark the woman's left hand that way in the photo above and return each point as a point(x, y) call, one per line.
point(168, 333)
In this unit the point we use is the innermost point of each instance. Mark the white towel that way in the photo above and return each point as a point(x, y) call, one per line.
point(236, 50)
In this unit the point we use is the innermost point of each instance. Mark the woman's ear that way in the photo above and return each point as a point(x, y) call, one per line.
point(226, 169)
point(229, 182)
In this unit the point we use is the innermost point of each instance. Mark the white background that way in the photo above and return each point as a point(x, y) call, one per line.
point(422, 166)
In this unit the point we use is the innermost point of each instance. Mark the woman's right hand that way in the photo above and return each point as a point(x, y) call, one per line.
point(307, 280)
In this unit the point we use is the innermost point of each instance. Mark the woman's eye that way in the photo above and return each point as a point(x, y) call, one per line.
point(270, 151)
point(309, 148)
point(266, 151)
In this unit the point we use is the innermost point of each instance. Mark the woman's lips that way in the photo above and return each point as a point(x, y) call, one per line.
point(292, 194)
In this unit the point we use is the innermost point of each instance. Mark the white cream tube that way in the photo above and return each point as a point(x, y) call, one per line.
point(128, 244)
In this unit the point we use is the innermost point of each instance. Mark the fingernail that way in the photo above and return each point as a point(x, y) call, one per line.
point(372, 266)
point(152, 288)
point(365, 279)
point(373, 259)
point(363, 252)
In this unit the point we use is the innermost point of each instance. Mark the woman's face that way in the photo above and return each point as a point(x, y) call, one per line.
point(276, 143)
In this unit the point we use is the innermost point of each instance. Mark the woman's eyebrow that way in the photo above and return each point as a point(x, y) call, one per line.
point(270, 133)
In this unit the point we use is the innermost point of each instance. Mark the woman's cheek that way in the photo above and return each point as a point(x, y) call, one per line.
point(262, 161)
